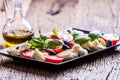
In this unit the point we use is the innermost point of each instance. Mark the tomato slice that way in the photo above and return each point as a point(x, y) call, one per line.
point(71, 43)
point(112, 37)
point(54, 36)
point(27, 53)
point(54, 59)
point(58, 49)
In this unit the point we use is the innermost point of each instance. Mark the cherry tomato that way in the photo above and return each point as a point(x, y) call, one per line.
point(58, 49)
point(50, 51)
point(71, 43)
point(27, 53)
point(54, 36)
point(54, 59)
point(111, 37)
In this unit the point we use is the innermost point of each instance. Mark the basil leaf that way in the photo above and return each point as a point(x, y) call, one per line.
point(54, 43)
point(94, 35)
point(74, 35)
point(80, 39)
point(39, 42)
point(44, 37)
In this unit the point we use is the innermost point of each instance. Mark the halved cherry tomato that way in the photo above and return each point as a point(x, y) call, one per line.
point(50, 51)
point(54, 36)
point(58, 49)
point(71, 43)
point(54, 59)
point(27, 53)
point(112, 37)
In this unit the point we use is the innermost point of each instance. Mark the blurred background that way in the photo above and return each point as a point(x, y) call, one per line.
point(44, 15)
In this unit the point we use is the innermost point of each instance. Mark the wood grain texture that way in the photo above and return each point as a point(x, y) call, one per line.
point(102, 15)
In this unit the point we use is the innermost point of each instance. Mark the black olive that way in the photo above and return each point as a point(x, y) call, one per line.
point(65, 47)
point(17, 47)
point(52, 52)
point(66, 43)
point(109, 43)
point(68, 31)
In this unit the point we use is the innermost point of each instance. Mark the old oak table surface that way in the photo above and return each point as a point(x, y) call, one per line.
point(103, 15)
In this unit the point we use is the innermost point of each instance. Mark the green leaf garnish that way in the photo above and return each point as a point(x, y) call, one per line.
point(39, 42)
point(80, 39)
point(55, 32)
point(54, 43)
point(94, 35)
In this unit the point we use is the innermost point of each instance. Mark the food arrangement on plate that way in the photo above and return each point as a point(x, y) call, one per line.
point(57, 47)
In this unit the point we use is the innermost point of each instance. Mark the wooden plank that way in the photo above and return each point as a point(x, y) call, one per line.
point(94, 14)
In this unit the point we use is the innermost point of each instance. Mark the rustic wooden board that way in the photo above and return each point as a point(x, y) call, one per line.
point(102, 15)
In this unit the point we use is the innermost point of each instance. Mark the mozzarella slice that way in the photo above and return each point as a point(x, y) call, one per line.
point(38, 55)
point(79, 49)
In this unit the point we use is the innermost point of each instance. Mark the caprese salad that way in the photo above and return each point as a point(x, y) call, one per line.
point(57, 47)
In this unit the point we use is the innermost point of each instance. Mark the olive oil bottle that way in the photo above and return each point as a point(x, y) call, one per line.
point(17, 30)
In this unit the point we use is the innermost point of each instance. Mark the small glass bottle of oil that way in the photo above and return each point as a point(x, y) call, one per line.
point(17, 30)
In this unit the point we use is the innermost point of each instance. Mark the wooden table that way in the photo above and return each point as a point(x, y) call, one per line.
point(103, 15)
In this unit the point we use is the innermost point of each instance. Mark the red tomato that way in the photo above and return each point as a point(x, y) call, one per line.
point(27, 53)
point(48, 50)
point(71, 43)
point(113, 37)
point(53, 59)
point(54, 36)
point(58, 49)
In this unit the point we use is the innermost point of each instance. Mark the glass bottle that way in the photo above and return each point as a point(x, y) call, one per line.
point(17, 30)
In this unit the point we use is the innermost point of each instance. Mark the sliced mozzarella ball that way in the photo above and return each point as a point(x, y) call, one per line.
point(24, 46)
point(95, 45)
point(87, 45)
point(67, 54)
point(38, 55)
point(65, 36)
point(78, 32)
point(79, 49)
point(14, 52)
point(110, 36)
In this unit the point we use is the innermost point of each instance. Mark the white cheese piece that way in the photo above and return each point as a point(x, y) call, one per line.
point(24, 46)
point(95, 45)
point(65, 36)
point(67, 54)
point(38, 55)
point(14, 52)
point(79, 49)
point(87, 45)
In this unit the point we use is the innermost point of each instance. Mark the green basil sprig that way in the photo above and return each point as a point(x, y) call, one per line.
point(39, 42)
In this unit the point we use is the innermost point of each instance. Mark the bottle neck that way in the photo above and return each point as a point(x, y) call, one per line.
point(18, 9)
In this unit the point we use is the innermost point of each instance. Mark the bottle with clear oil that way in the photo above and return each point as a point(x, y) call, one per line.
point(17, 30)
